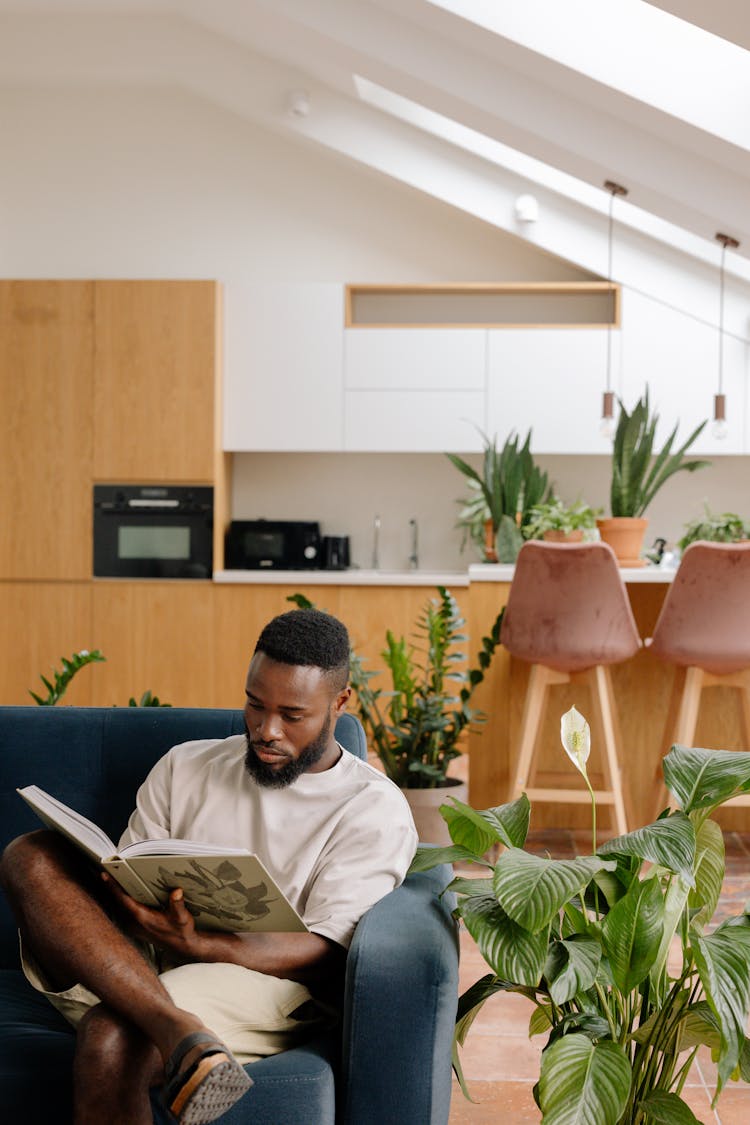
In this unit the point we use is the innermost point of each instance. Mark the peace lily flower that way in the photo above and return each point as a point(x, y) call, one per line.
point(576, 738)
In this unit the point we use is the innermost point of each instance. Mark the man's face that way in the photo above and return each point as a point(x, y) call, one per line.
point(290, 711)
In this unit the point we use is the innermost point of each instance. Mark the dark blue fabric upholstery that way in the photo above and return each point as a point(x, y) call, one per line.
point(390, 1065)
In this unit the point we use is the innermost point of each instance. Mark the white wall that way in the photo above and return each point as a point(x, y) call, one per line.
point(159, 184)
point(345, 491)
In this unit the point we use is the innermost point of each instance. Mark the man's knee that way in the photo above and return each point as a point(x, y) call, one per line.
point(23, 856)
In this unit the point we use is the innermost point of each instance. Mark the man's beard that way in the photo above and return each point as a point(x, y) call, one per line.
point(281, 776)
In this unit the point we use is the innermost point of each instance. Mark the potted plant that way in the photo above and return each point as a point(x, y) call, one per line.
point(591, 943)
point(559, 522)
point(501, 497)
point(724, 527)
point(415, 727)
point(637, 475)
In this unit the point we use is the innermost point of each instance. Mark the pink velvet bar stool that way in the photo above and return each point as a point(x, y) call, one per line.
point(704, 630)
point(569, 616)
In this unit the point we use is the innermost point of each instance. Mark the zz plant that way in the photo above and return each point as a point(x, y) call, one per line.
point(590, 942)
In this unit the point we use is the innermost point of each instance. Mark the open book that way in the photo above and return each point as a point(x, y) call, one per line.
point(224, 888)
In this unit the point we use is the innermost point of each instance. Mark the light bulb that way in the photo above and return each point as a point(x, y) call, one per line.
point(607, 427)
point(719, 428)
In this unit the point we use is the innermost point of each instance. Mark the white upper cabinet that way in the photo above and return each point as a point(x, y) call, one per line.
point(419, 390)
point(283, 365)
point(551, 381)
point(414, 421)
point(678, 357)
point(416, 359)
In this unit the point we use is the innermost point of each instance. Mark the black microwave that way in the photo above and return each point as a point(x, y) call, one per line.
point(272, 545)
point(153, 531)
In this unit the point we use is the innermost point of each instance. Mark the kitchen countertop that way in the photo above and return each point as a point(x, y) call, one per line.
point(503, 572)
point(352, 577)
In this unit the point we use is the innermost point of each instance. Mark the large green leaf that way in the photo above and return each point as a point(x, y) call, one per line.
point(583, 1083)
point(505, 824)
point(670, 842)
point(632, 933)
point(468, 828)
point(531, 889)
point(465, 885)
point(571, 966)
point(469, 1006)
point(512, 952)
point(709, 872)
point(674, 905)
point(427, 857)
point(511, 821)
point(723, 960)
point(667, 1108)
point(703, 779)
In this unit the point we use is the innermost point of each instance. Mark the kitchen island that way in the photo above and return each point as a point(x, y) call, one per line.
point(642, 687)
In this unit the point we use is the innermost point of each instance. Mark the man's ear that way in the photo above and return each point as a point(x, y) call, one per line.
point(341, 701)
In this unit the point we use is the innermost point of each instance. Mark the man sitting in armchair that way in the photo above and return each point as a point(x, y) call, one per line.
point(156, 1000)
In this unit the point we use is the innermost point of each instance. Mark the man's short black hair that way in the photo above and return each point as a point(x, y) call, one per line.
point(308, 636)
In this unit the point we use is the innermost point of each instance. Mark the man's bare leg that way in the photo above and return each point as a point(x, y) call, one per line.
point(115, 1067)
point(58, 904)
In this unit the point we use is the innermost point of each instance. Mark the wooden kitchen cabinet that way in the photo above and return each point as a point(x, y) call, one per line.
point(42, 622)
point(157, 636)
point(46, 389)
point(156, 386)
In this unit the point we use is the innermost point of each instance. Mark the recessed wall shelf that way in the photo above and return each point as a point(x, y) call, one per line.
point(574, 304)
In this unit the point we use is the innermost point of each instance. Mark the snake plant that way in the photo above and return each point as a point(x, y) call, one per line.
point(508, 487)
point(637, 473)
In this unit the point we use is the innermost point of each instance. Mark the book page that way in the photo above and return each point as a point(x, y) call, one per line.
point(79, 829)
point(177, 847)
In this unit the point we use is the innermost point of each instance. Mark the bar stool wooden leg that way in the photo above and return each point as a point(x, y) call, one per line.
point(687, 716)
point(603, 700)
point(539, 680)
point(682, 719)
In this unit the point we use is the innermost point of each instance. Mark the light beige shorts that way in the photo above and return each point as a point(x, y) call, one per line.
point(252, 1013)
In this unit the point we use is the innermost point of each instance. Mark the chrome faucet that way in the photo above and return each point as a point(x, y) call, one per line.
point(414, 556)
point(376, 543)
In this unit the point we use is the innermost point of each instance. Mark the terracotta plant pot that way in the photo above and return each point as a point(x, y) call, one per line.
point(424, 805)
point(625, 536)
point(553, 535)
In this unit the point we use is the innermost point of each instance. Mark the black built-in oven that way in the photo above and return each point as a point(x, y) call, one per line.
point(153, 531)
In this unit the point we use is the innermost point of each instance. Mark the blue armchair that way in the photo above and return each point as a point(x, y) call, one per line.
point(390, 1064)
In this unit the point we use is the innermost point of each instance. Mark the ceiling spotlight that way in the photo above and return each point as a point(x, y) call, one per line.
point(298, 103)
point(527, 209)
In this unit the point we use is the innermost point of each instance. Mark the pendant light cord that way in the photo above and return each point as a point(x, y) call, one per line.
point(721, 319)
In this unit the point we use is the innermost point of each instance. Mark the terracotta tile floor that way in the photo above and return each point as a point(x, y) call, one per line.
point(501, 1063)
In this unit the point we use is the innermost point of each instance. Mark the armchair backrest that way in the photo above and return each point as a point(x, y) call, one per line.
point(94, 759)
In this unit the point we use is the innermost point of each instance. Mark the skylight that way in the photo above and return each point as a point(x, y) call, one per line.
point(536, 171)
point(640, 50)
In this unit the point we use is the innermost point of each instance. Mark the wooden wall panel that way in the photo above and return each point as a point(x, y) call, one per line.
point(156, 368)
point(158, 637)
point(42, 622)
point(46, 437)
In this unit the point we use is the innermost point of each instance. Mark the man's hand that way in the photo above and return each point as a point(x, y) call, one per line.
point(170, 927)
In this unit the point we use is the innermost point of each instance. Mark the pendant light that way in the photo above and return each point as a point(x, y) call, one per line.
point(607, 424)
point(719, 427)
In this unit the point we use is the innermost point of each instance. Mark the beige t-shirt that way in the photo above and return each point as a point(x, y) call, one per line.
point(335, 842)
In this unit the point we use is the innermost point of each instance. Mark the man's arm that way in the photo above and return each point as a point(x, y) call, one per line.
point(308, 958)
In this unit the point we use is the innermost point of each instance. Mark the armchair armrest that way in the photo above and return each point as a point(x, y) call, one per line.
point(400, 1007)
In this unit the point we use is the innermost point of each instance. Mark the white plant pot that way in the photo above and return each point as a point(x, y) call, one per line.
point(425, 803)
